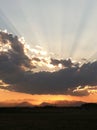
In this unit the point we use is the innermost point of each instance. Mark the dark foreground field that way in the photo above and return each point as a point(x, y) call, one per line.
point(48, 118)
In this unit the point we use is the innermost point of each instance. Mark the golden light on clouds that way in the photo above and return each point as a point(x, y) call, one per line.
point(43, 78)
point(89, 89)
point(39, 57)
point(15, 97)
point(2, 84)
point(5, 47)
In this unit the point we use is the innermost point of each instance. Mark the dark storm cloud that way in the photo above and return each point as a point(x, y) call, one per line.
point(66, 63)
point(60, 82)
point(64, 81)
point(15, 55)
point(12, 60)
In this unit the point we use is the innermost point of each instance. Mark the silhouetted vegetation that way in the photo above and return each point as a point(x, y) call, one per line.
point(89, 105)
point(49, 118)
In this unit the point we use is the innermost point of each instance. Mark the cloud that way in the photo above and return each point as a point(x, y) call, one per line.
point(66, 63)
point(15, 55)
point(17, 71)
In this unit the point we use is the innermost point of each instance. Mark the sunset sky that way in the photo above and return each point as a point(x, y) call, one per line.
point(48, 51)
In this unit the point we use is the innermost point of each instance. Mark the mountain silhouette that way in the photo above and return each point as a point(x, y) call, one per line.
point(63, 103)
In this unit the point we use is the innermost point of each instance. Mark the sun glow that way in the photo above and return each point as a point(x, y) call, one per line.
point(39, 57)
point(5, 47)
point(59, 48)
point(89, 89)
point(2, 84)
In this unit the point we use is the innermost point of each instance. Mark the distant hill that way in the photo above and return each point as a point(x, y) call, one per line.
point(64, 103)
point(59, 103)
point(20, 104)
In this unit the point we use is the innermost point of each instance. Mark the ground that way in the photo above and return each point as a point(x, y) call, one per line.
point(48, 118)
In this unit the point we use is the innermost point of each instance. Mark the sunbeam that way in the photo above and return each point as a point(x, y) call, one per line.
point(82, 25)
point(62, 28)
point(7, 24)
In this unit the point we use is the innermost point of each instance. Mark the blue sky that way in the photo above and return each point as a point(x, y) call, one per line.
point(68, 28)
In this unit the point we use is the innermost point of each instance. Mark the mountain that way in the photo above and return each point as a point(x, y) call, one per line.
point(11, 104)
point(58, 103)
point(64, 103)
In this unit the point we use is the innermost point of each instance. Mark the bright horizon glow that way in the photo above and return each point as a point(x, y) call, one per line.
point(36, 99)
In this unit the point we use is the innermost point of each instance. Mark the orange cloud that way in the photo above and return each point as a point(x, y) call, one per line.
point(15, 97)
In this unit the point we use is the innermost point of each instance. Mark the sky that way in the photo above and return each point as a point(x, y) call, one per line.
point(48, 49)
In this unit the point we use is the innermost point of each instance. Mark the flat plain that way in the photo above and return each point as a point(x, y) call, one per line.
point(48, 118)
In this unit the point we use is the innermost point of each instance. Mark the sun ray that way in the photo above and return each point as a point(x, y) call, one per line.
point(83, 22)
